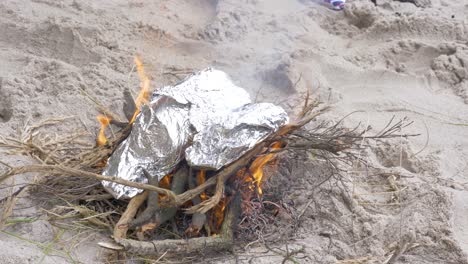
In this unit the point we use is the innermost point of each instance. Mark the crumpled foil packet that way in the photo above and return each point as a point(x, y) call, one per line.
point(206, 119)
point(221, 143)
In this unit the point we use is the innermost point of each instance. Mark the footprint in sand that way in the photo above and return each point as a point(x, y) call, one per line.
point(6, 111)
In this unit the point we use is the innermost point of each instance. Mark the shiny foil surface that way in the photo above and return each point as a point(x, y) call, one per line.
point(223, 142)
point(205, 118)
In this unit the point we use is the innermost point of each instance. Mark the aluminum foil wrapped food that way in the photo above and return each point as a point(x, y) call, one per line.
point(205, 119)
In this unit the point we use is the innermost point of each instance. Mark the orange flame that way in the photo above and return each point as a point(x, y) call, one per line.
point(165, 183)
point(104, 121)
point(142, 98)
point(218, 214)
point(144, 94)
point(256, 169)
point(201, 178)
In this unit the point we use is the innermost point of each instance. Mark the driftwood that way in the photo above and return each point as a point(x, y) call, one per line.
point(179, 181)
point(121, 228)
point(157, 247)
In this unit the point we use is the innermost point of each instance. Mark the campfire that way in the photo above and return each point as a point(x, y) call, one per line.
point(219, 130)
point(190, 158)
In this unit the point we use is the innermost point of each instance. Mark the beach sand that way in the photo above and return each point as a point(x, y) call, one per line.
point(376, 62)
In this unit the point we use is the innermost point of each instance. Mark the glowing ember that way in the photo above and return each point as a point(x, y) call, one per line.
point(104, 121)
point(165, 182)
point(144, 85)
point(256, 169)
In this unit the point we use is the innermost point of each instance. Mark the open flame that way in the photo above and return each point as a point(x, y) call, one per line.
point(142, 98)
point(256, 169)
point(104, 121)
point(252, 179)
point(218, 214)
point(144, 94)
point(201, 178)
point(165, 182)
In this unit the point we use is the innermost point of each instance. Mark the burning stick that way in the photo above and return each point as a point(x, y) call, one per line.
point(198, 219)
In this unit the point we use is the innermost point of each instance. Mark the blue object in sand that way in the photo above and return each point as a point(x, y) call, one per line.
point(336, 4)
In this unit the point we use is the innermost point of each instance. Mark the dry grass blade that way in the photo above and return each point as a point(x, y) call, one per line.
point(362, 260)
point(10, 201)
point(84, 215)
point(9, 205)
point(37, 142)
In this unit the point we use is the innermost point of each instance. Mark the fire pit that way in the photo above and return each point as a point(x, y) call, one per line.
point(189, 158)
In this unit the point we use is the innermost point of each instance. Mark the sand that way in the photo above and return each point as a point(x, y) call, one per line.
point(396, 59)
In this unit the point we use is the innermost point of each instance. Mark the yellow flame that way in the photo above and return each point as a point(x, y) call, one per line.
point(104, 121)
point(144, 94)
point(256, 169)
